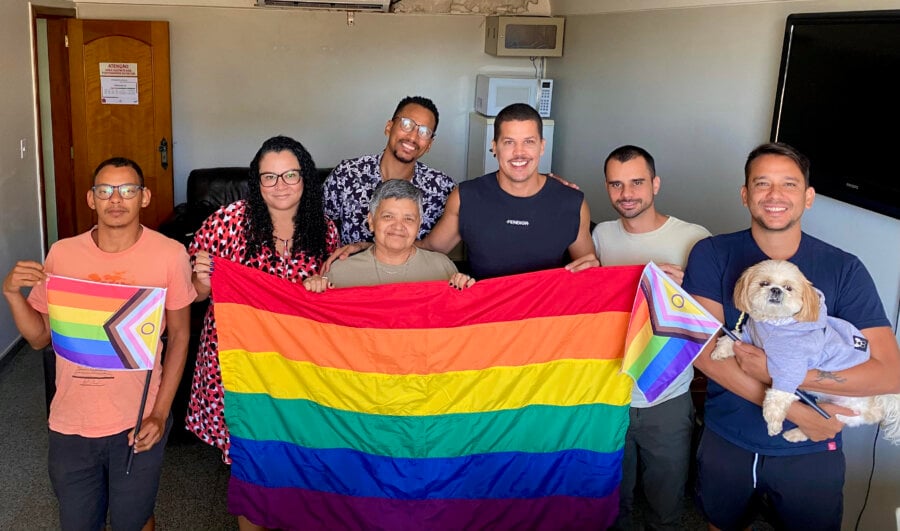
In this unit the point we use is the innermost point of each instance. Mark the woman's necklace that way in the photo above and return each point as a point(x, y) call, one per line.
point(398, 274)
point(285, 246)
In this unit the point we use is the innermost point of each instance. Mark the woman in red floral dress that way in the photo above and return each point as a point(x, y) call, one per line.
point(280, 229)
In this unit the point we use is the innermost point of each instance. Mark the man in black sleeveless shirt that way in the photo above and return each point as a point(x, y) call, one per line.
point(516, 220)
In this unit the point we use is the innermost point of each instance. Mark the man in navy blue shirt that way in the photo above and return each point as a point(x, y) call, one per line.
point(739, 464)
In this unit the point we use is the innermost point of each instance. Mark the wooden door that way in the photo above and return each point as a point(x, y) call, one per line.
point(121, 107)
point(61, 123)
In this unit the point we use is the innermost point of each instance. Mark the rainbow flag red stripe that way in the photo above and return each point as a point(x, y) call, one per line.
point(416, 406)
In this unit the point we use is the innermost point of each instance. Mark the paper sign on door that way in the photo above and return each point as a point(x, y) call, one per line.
point(118, 83)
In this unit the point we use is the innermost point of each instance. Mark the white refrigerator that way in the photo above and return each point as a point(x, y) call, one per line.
point(480, 160)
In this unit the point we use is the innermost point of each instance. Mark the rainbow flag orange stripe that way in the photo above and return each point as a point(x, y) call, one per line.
point(668, 330)
point(415, 406)
point(105, 326)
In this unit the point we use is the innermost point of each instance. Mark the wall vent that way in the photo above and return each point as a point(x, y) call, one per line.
point(341, 5)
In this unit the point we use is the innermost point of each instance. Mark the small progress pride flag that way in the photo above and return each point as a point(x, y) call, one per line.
point(668, 329)
point(417, 406)
point(105, 326)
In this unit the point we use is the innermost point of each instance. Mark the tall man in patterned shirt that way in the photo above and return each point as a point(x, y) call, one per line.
point(410, 133)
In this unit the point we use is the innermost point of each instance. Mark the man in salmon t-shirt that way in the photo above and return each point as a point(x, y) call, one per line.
point(94, 411)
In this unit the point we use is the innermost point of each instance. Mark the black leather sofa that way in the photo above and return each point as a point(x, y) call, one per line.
point(208, 189)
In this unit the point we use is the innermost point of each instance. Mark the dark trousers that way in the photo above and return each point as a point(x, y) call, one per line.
point(801, 491)
point(658, 447)
point(88, 477)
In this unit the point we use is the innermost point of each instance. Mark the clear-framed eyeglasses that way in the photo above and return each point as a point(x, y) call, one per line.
point(126, 191)
point(408, 124)
point(271, 179)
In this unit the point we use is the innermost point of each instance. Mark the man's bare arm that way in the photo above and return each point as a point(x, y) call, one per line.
point(153, 427)
point(445, 234)
point(32, 324)
point(582, 250)
point(880, 375)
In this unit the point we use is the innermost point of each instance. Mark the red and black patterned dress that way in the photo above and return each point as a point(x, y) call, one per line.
point(222, 235)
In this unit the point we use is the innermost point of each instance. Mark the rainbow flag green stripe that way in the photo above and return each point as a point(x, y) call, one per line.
point(594, 427)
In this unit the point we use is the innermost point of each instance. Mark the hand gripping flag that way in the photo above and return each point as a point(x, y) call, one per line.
point(668, 329)
point(416, 406)
point(105, 326)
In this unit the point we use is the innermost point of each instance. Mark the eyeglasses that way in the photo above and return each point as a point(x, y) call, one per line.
point(126, 191)
point(271, 179)
point(407, 125)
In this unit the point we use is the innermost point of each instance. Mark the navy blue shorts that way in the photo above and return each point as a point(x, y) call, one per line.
point(800, 491)
point(88, 477)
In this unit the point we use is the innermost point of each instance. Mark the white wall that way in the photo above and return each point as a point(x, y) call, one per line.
point(242, 75)
point(696, 87)
point(20, 224)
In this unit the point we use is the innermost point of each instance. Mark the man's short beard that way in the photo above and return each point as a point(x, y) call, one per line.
point(634, 214)
point(397, 156)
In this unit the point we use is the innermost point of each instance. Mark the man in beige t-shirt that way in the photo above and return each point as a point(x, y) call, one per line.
point(659, 434)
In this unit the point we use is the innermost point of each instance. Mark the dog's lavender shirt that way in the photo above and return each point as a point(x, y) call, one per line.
point(792, 347)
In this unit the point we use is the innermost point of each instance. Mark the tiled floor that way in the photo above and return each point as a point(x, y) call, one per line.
point(193, 485)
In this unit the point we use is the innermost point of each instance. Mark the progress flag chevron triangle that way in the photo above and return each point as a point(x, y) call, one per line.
point(667, 331)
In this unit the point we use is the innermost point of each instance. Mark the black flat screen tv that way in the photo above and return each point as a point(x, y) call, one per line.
point(838, 102)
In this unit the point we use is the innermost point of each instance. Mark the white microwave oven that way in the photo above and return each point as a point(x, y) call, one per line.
point(493, 93)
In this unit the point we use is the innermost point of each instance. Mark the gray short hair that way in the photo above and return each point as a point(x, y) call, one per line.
point(396, 189)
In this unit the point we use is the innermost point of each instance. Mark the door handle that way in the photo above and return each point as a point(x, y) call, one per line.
point(164, 153)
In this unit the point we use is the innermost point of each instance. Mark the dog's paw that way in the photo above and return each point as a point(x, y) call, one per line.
point(723, 349)
point(775, 408)
point(774, 428)
point(774, 420)
point(795, 435)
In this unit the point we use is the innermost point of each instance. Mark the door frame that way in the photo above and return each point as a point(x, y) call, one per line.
point(60, 120)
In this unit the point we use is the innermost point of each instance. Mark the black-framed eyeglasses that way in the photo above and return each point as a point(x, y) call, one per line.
point(408, 124)
point(126, 191)
point(271, 179)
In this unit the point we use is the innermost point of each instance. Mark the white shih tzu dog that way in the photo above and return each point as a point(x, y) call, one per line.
point(788, 319)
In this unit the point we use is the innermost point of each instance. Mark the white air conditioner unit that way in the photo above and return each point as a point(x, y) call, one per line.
point(342, 5)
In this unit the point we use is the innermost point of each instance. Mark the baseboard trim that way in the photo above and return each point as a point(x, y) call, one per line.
point(10, 352)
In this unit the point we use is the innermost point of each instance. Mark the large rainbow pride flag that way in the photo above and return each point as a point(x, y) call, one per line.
point(105, 326)
point(416, 406)
point(668, 329)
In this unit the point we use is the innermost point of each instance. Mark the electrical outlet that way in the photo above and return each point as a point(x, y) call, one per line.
point(22, 148)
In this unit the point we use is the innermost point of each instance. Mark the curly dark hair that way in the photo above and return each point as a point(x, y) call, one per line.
point(310, 228)
point(421, 101)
